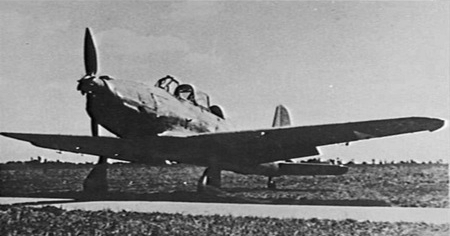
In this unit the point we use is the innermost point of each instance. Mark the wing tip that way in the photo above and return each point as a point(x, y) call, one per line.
point(10, 135)
point(428, 123)
point(21, 136)
point(435, 124)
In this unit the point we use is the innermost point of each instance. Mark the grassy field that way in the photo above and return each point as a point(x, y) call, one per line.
point(20, 220)
point(406, 185)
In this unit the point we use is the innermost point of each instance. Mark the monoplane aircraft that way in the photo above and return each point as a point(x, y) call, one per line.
point(173, 122)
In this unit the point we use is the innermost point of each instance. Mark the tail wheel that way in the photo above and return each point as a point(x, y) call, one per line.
point(271, 183)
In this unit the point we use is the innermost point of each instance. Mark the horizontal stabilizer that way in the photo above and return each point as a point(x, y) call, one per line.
point(311, 169)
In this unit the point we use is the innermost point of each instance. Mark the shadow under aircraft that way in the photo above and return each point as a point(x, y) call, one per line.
point(45, 198)
point(172, 122)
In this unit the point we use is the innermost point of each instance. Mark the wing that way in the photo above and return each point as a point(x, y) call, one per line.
point(147, 150)
point(311, 169)
point(243, 147)
point(101, 146)
point(283, 143)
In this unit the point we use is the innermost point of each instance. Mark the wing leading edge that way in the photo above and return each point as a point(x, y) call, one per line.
point(246, 147)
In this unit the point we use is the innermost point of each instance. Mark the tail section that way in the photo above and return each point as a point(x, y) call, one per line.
point(281, 117)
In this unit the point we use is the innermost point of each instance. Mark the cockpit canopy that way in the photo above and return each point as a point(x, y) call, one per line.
point(187, 93)
point(167, 83)
point(202, 99)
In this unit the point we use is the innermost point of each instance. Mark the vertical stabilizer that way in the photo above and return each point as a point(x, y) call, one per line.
point(281, 117)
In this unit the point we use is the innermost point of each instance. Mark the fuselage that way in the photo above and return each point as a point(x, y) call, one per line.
point(130, 109)
point(135, 110)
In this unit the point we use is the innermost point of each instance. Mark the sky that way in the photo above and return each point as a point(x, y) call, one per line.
point(328, 62)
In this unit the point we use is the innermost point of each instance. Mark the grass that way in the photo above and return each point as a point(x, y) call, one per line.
point(20, 220)
point(405, 185)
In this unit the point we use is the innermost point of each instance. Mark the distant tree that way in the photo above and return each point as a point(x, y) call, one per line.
point(350, 163)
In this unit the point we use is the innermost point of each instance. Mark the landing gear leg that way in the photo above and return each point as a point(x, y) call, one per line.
point(271, 184)
point(96, 182)
point(210, 178)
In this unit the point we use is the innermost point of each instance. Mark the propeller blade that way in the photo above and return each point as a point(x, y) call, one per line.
point(90, 56)
point(89, 108)
point(94, 128)
point(94, 131)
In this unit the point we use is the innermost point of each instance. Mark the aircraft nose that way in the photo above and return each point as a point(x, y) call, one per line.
point(89, 85)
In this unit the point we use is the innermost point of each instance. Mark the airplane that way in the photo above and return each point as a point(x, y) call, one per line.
point(172, 122)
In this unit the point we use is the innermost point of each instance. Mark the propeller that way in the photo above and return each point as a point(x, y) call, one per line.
point(96, 181)
point(90, 65)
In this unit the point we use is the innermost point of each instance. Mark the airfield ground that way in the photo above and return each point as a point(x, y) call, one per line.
point(21, 220)
point(404, 185)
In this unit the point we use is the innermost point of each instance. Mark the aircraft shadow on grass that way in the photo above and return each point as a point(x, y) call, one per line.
point(214, 196)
